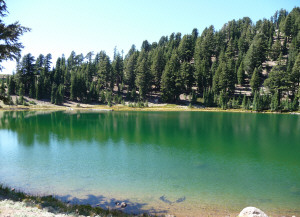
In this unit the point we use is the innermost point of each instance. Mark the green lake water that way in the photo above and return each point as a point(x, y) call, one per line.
point(158, 162)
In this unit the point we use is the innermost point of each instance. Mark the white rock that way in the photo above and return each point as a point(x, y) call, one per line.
point(252, 212)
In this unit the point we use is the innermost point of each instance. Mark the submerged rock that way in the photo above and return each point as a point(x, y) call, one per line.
point(252, 212)
point(164, 199)
point(123, 205)
point(179, 200)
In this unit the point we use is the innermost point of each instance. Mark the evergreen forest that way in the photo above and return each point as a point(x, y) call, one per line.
point(254, 66)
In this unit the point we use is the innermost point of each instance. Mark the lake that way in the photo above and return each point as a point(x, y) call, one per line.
point(183, 163)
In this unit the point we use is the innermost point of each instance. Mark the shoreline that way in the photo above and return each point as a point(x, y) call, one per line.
point(17, 203)
point(14, 201)
point(152, 107)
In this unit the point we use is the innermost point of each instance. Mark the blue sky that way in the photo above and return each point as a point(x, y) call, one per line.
point(60, 26)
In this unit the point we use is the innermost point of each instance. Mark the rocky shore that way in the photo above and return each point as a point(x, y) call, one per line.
point(21, 209)
point(18, 204)
point(29, 208)
point(50, 207)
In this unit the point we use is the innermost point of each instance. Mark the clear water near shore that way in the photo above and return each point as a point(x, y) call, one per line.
point(175, 162)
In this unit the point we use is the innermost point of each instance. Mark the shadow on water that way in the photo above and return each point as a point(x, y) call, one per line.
point(111, 203)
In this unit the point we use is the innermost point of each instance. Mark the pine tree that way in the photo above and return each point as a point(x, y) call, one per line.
point(102, 96)
point(185, 49)
point(143, 75)
point(275, 102)
point(73, 91)
point(59, 95)
point(129, 71)
point(223, 78)
point(223, 100)
point(216, 79)
point(231, 76)
point(244, 103)
point(32, 90)
point(10, 46)
point(53, 93)
point(255, 81)
point(2, 88)
point(276, 50)
point(295, 75)
point(21, 93)
point(157, 67)
point(288, 26)
point(295, 104)
point(26, 73)
point(47, 88)
point(117, 67)
point(93, 95)
point(256, 106)
point(11, 85)
point(39, 88)
point(9, 100)
point(256, 54)
point(169, 90)
point(278, 80)
point(104, 72)
point(208, 98)
point(241, 74)
point(284, 47)
point(186, 74)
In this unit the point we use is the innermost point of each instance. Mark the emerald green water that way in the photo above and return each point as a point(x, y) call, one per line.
point(153, 159)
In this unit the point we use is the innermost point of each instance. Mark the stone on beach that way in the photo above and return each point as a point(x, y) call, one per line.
point(252, 212)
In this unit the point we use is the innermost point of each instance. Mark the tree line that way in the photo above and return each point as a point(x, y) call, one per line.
point(216, 68)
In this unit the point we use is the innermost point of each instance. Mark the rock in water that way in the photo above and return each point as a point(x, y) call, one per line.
point(252, 212)
point(123, 205)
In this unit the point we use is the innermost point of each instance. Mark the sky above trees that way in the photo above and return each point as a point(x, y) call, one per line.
point(58, 27)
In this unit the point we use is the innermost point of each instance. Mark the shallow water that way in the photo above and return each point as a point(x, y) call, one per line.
point(159, 162)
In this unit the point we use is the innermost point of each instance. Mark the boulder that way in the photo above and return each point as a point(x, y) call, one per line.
point(252, 212)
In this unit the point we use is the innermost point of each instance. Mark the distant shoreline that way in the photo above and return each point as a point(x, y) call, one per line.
point(120, 107)
point(31, 104)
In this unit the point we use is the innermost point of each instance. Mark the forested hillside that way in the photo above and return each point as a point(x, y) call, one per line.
point(244, 64)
